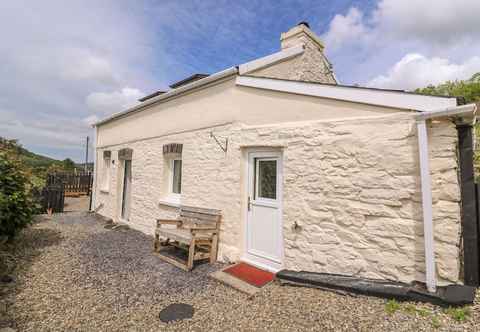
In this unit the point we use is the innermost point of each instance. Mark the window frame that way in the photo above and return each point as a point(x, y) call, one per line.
point(173, 194)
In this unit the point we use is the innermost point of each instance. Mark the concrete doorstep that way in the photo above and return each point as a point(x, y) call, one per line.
point(235, 283)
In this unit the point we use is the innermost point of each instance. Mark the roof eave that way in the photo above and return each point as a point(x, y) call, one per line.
point(376, 97)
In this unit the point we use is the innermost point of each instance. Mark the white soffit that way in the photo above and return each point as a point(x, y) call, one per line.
point(270, 59)
point(388, 98)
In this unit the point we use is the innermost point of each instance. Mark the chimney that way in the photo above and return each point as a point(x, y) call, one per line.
point(300, 34)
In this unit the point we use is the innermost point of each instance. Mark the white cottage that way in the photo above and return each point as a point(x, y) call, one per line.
point(309, 174)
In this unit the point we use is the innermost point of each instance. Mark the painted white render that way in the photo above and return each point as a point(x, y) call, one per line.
point(223, 103)
point(352, 186)
point(351, 201)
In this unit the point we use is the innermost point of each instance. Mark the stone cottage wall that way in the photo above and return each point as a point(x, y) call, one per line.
point(351, 186)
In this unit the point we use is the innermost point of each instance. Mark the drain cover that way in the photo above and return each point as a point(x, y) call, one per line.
point(176, 311)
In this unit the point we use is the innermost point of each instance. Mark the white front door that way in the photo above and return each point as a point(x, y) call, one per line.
point(264, 239)
point(126, 190)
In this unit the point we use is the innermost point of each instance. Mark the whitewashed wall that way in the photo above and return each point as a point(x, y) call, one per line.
point(352, 185)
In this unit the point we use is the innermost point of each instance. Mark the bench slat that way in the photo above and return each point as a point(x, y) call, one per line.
point(191, 222)
point(200, 216)
point(200, 210)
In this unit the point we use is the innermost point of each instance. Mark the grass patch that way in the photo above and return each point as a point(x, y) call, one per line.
point(423, 312)
point(436, 322)
point(458, 314)
point(412, 309)
point(392, 306)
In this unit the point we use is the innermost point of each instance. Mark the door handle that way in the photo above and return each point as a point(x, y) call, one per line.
point(248, 203)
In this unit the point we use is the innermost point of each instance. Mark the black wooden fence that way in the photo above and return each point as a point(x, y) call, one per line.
point(477, 235)
point(80, 183)
point(59, 185)
point(53, 197)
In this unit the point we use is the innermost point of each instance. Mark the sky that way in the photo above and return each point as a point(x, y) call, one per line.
point(66, 64)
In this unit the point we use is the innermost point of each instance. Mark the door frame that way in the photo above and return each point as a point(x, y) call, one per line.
point(122, 174)
point(258, 261)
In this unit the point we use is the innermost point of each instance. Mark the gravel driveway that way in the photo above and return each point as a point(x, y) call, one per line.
point(75, 275)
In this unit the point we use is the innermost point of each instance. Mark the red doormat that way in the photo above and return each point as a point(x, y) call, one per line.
point(250, 274)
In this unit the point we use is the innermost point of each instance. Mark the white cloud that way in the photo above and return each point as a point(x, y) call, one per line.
point(430, 21)
point(78, 64)
point(435, 40)
point(415, 71)
point(91, 119)
point(346, 29)
point(55, 57)
point(112, 102)
point(436, 21)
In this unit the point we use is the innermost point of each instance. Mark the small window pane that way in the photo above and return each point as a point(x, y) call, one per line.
point(267, 179)
point(177, 177)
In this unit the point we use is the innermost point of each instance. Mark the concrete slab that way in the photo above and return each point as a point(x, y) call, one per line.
point(235, 283)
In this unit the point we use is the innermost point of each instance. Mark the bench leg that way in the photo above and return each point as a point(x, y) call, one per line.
point(191, 254)
point(156, 243)
point(213, 249)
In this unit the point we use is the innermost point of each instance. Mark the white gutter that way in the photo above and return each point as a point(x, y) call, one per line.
point(172, 93)
point(449, 111)
point(426, 181)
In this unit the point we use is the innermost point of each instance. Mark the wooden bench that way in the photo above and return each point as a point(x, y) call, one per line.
point(196, 231)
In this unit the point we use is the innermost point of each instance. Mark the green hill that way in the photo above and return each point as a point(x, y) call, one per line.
point(36, 161)
point(38, 164)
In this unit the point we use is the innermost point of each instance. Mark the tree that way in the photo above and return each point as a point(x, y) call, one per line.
point(469, 89)
point(68, 164)
point(16, 204)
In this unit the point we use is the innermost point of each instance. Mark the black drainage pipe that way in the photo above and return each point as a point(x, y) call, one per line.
point(452, 295)
point(469, 206)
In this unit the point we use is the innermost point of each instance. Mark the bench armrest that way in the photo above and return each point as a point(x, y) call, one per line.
point(168, 222)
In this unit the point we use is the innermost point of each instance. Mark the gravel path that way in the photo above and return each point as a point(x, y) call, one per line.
point(76, 204)
point(75, 275)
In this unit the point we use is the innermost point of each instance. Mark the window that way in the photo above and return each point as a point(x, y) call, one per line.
point(171, 184)
point(176, 187)
point(266, 178)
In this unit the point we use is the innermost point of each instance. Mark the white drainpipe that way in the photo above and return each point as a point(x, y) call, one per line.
point(465, 110)
point(427, 206)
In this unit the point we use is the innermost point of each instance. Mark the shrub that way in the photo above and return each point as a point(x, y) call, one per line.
point(16, 206)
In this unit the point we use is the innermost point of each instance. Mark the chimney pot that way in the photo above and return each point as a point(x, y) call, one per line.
point(305, 24)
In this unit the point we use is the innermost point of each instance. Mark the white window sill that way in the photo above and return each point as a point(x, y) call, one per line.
point(104, 191)
point(170, 201)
